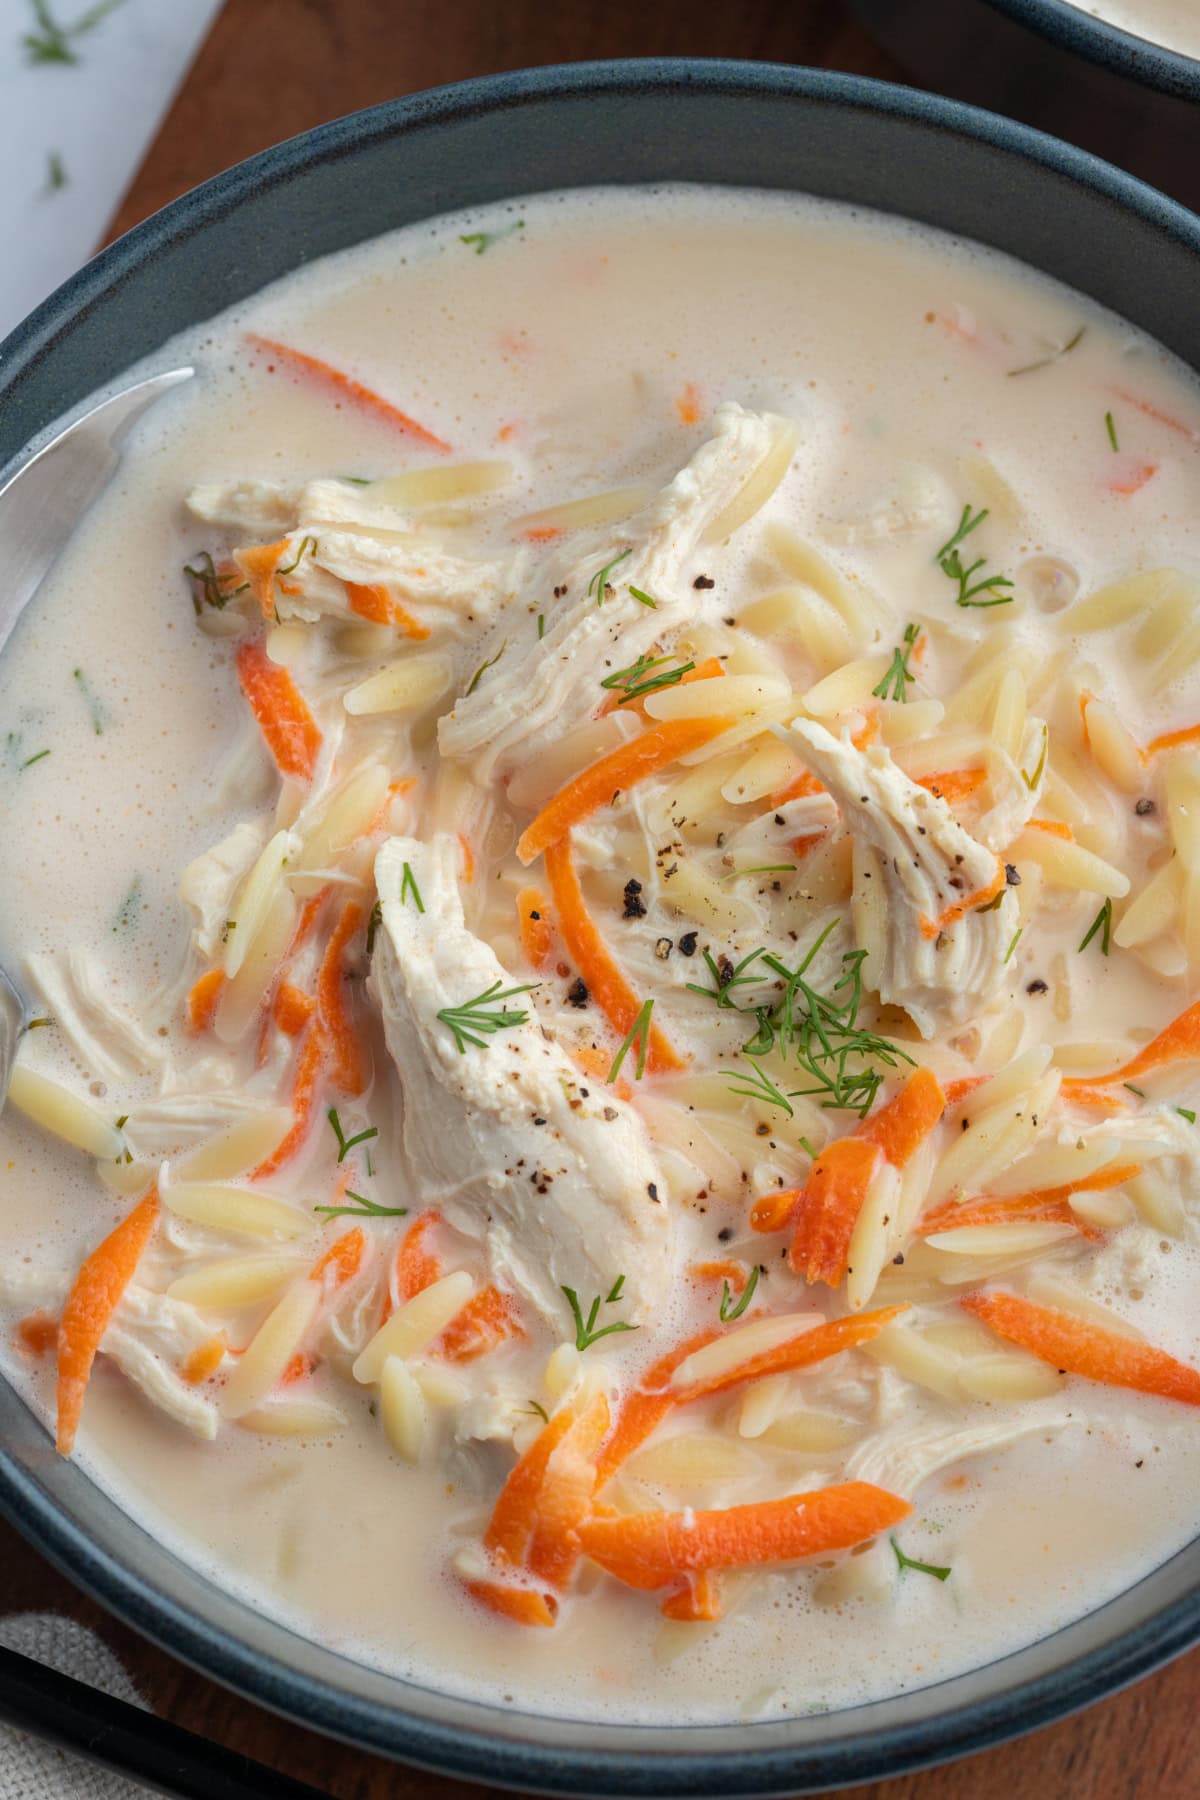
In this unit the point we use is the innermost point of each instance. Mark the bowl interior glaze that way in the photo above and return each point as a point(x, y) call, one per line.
point(737, 124)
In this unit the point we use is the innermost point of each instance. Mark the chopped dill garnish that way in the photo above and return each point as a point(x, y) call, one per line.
point(477, 1016)
point(40, 1025)
point(761, 869)
point(479, 241)
point(1031, 781)
point(1140, 1092)
point(950, 563)
point(308, 546)
point(541, 626)
point(637, 680)
point(1044, 362)
point(99, 716)
point(585, 1330)
point(758, 1086)
point(207, 586)
point(55, 43)
point(483, 668)
point(1016, 938)
point(345, 1144)
point(599, 584)
point(639, 1033)
point(374, 922)
point(1102, 923)
point(535, 1410)
point(366, 1209)
point(127, 911)
point(939, 1571)
point(56, 172)
point(1111, 428)
point(899, 674)
point(30, 760)
point(727, 976)
point(1185, 1112)
point(643, 598)
point(730, 1313)
point(408, 885)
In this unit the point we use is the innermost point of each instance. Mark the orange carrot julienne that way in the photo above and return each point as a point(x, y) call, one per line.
point(697, 1598)
point(349, 1072)
point(1155, 412)
point(688, 405)
point(829, 1207)
point(954, 785)
point(533, 917)
point(1052, 828)
point(259, 563)
point(203, 998)
point(309, 1068)
point(292, 734)
point(653, 1550)
point(293, 1009)
point(523, 1605)
point(510, 1530)
point(1132, 479)
point(966, 1084)
point(416, 1266)
point(37, 1333)
point(988, 1210)
point(645, 1406)
point(91, 1303)
point(1078, 1347)
point(297, 1369)
point(468, 857)
point(606, 982)
point(931, 928)
point(342, 1261)
point(375, 602)
point(813, 1345)
point(707, 670)
point(622, 768)
point(488, 1319)
point(901, 1126)
point(724, 1268)
point(1170, 740)
point(1177, 1042)
point(205, 1359)
point(346, 388)
point(541, 534)
point(774, 1211)
point(565, 1497)
point(596, 1062)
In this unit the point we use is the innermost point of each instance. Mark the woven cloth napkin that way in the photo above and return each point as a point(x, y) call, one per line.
point(33, 1770)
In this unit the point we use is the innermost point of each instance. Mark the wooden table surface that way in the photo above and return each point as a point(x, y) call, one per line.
point(271, 68)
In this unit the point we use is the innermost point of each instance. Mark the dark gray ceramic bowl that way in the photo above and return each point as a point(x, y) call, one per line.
point(1052, 65)
point(729, 123)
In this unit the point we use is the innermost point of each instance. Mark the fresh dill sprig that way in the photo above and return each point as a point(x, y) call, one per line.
point(1140, 1092)
point(366, 1209)
point(541, 622)
point(730, 1313)
point(643, 598)
point(99, 716)
point(639, 1033)
point(727, 976)
point(308, 545)
point(599, 584)
point(586, 1332)
point(1111, 428)
point(950, 562)
point(1016, 938)
point(207, 586)
point(899, 675)
point(345, 1144)
point(1031, 781)
point(479, 241)
point(761, 869)
point(1044, 362)
point(535, 1410)
point(939, 1571)
point(55, 43)
point(476, 1020)
point(758, 1086)
point(637, 680)
point(56, 172)
point(30, 760)
point(1102, 923)
point(483, 668)
point(408, 885)
point(1185, 1112)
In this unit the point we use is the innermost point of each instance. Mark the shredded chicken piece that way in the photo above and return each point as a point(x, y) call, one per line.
point(554, 1176)
point(901, 1457)
point(531, 700)
point(106, 1037)
point(943, 949)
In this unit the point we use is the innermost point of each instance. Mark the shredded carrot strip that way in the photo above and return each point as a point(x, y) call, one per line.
point(488, 1319)
point(37, 1333)
point(1051, 1203)
point(1154, 412)
point(595, 1061)
point(1133, 480)
point(533, 917)
point(697, 1598)
point(259, 563)
point(310, 1066)
point(931, 928)
point(342, 1261)
point(688, 405)
point(566, 1497)
point(801, 846)
point(91, 1303)
point(966, 1084)
point(1170, 740)
point(606, 983)
point(723, 1269)
point(622, 768)
point(346, 388)
point(417, 1267)
point(514, 1516)
point(901, 1127)
point(203, 999)
point(298, 1369)
point(643, 1407)
point(774, 1211)
point(380, 605)
point(292, 734)
point(814, 1345)
point(293, 1009)
point(468, 857)
point(523, 1605)
point(349, 1073)
point(829, 1207)
point(1052, 828)
point(1078, 1347)
point(1179, 1041)
point(541, 534)
point(954, 785)
point(205, 1360)
point(653, 1550)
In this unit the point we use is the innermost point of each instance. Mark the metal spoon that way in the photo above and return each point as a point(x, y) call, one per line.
point(40, 506)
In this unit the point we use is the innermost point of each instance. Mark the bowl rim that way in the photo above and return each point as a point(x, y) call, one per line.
point(484, 1753)
point(1135, 58)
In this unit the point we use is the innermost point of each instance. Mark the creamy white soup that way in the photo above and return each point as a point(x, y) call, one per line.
point(1175, 24)
point(609, 880)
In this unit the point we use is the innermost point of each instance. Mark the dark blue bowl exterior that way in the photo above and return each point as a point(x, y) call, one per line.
point(733, 124)
point(1157, 65)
